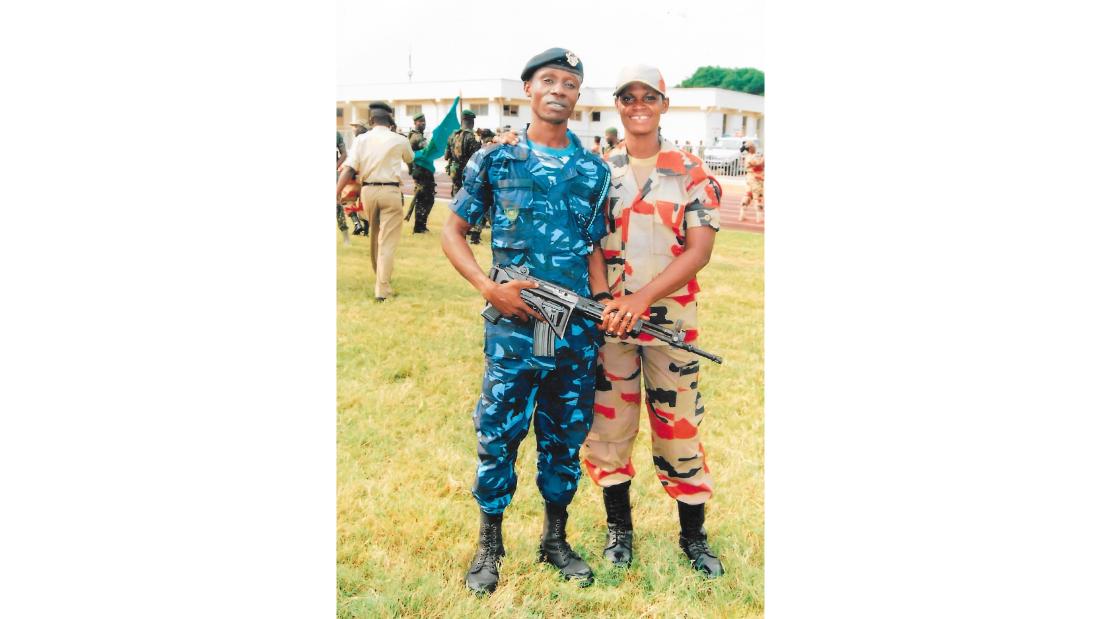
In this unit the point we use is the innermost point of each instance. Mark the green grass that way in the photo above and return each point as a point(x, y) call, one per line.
point(408, 375)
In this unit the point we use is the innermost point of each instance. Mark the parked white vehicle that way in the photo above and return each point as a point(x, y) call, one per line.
point(724, 157)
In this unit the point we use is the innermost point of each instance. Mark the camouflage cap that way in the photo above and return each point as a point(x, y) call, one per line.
point(557, 57)
point(468, 114)
point(380, 105)
point(419, 116)
point(611, 131)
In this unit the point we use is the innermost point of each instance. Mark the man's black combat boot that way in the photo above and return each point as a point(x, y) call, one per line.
point(556, 551)
point(620, 528)
point(361, 226)
point(693, 540)
point(483, 574)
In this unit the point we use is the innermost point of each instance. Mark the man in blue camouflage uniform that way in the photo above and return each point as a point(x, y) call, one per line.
point(547, 194)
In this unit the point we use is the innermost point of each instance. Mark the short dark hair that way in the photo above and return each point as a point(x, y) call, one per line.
point(380, 118)
point(597, 139)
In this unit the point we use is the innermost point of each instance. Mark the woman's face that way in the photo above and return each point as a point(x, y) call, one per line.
point(640, 108)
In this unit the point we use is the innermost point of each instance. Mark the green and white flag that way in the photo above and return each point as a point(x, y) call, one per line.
point(426, 156)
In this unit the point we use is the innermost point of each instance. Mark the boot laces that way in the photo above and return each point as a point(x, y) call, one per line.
point(617, 536)
point(486, 547)
point(562, 547)
point(698, 546)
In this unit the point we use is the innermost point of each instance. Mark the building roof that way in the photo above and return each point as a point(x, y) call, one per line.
point(511, 89)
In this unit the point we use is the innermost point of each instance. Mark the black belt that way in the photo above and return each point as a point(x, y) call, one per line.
point(384, 184)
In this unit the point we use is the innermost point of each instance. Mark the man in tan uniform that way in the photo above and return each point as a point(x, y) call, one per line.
point(663, 217)
point(376, 157)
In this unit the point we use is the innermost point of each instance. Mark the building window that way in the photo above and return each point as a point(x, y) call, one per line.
point(413, 110)
point(339, 112)
point(577, 115)
point(595, 117)
point(511, 110)
point(481, 109)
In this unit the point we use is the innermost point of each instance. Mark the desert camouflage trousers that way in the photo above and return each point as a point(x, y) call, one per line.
point(560, 401)
point(675, 409)
point(754, 194)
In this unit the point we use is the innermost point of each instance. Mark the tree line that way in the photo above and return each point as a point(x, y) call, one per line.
point(746, 79)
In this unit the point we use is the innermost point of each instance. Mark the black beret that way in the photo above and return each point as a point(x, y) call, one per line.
point(380, 105)
point(557, 57)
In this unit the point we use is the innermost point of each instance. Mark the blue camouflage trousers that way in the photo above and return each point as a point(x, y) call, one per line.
point(561, 402)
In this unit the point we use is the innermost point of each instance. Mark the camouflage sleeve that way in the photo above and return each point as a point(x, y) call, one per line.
point(704, 198)
point(469, 203)
point(472, 144)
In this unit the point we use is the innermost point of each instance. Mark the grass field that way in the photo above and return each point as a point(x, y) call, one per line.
point(408, 375)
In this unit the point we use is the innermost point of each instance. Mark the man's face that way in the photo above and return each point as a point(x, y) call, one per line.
point(554, 93)
point(420, 124)
point(640, 108)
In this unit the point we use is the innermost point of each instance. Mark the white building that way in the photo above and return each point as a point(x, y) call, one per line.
point(694, 114)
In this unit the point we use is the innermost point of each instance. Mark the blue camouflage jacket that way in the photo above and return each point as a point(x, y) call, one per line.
point(545, 219)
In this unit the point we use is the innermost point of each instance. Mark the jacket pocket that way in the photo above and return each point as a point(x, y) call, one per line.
point(513, 222)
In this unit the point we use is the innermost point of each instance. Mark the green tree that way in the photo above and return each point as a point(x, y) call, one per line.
point(746, 79)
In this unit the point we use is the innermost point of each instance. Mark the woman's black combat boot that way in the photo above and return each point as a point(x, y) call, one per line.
point(483, 574)
point(693, 540)
point(556, 551)
point(620, 527)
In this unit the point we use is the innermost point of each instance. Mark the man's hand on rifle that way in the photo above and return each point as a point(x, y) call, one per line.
point(505, 297)
point(621, 314)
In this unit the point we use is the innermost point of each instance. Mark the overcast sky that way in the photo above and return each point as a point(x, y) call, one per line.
point(481, 41)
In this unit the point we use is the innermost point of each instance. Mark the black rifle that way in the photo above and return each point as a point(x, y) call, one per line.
point(557, 305)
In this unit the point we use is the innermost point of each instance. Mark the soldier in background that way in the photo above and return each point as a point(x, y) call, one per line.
point(341, 155)
point(611, 140)
point(424, 193)
point(376, 157)
point(754, 194)
point(461, 145)
point(353, 209)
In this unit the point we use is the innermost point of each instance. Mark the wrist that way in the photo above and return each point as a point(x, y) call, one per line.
point(485, 287)
point(645, 296)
